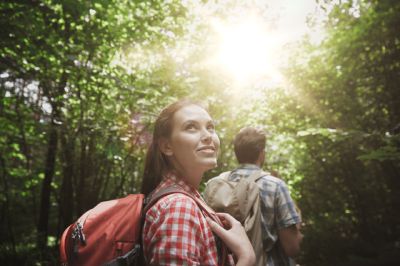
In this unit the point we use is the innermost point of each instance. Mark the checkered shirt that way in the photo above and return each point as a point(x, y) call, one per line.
point(176, 231)
point(277, 212)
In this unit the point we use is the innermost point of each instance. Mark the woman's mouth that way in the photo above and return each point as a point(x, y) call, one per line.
point(207, 149)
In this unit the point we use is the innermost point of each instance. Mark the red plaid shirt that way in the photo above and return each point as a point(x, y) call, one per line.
point(176, 232)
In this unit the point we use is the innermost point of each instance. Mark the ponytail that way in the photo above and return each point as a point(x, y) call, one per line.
point(154, 166)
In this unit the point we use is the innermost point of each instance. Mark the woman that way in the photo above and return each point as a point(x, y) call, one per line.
point(176, 231)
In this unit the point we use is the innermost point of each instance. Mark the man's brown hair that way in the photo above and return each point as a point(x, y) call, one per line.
point(248, 144)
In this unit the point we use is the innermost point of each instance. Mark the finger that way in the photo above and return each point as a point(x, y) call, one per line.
point(229, 219)
point(216, 228)
point(225, 215)
point(224, 222)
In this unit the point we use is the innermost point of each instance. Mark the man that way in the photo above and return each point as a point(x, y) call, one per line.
point(279, 219)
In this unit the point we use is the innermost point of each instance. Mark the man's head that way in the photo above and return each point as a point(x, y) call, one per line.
point(249, 145)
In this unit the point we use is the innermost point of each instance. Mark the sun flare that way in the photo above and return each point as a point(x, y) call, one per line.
point(247, 50)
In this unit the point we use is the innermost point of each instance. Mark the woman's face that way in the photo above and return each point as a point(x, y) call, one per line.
point(193, 145)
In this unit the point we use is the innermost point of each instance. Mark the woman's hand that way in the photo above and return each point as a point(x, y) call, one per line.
point(235, 238)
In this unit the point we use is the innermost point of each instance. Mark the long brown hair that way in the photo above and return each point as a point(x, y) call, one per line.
point(156, 163)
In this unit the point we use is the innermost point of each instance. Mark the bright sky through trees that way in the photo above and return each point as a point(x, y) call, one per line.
point(251, 48)
point(247, 42)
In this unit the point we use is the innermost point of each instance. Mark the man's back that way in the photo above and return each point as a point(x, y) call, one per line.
point(279, 219)
point(277, 211)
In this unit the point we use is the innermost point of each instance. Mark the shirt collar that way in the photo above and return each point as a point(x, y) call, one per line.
point(244, 169)
point(249, 166)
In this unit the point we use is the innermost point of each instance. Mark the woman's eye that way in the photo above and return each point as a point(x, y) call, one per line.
point(190, 127)
point(211, 128)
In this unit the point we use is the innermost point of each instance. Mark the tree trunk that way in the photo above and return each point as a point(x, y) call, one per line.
point(81, 184)
point(66, 192)
point(46, 188)
point(6, 211)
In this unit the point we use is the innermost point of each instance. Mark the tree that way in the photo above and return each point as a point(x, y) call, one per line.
point(66, 104)
point(348, 83)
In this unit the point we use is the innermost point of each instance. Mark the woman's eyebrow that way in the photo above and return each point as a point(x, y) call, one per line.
point(189, 122)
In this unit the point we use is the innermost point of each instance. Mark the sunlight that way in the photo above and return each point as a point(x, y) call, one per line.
point(246, 50)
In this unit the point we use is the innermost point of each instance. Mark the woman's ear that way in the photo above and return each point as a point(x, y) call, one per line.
point(165, 147)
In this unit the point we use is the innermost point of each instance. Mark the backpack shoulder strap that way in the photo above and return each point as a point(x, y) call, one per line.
point(252, 177)
point(225, 175)
point(149, 202)
point(154, 197)
point(255, 175)
point(176, 189)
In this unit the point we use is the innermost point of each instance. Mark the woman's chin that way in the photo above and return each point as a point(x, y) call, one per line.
point(210, 164)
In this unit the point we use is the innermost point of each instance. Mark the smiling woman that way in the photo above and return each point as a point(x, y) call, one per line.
point(193, 145)
point(176, 230)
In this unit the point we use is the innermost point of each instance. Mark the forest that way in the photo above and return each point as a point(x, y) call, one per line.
point(81, 83)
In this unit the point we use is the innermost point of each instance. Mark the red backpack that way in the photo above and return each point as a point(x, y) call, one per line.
point(110, 233)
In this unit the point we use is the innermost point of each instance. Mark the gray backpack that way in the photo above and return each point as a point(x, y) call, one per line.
point(241, 200)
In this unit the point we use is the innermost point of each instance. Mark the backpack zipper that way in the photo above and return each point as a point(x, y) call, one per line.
point(78, 236)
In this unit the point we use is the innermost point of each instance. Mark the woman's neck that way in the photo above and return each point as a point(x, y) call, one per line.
point(193, 178)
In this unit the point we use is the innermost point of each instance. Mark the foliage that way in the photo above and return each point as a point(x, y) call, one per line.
point(350, 166)
point(69, 111)
point(81, 83)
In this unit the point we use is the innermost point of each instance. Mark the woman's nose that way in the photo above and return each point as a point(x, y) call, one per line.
point(206, 135)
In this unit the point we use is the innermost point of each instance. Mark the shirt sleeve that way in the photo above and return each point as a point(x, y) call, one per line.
point(285, 211)
point(175, 233)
